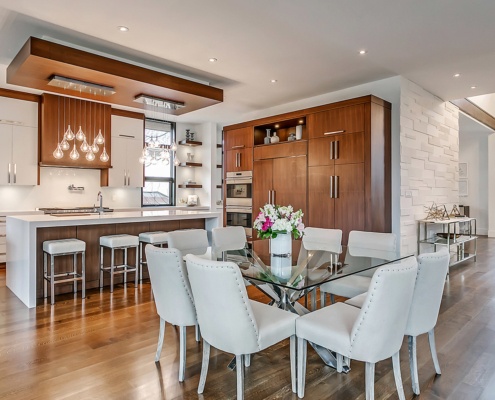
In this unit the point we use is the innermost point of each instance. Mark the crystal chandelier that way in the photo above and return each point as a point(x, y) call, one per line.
point(155, 151)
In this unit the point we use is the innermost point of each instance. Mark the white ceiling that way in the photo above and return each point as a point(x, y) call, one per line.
point(310, 47)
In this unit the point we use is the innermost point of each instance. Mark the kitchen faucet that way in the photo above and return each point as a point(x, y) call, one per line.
point(100, 197)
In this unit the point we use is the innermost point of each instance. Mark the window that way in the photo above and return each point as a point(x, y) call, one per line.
point(159, 170)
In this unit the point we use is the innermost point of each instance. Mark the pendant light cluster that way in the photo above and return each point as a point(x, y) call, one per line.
point(90, 141)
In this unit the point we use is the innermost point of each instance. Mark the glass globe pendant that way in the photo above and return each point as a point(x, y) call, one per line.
point(64, 144)
point(80, 134)
point(99, 138)
point(84, 146)
point(69, 135)
point(58, 153)
point(176, 162)
point(90, 156)
point(104, 155)
point(95, 147)
point(74, 155)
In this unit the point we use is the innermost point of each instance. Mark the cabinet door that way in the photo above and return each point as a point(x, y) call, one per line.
point(25, 155)
point(135, 173)
point(239, 160)
point(320, 205)
point(339, 120)
point(5, 153)
point(117, 173)
point(290, 182)
point(262, 184)
point(349, 148)
point(239, 138)
point(350, 203)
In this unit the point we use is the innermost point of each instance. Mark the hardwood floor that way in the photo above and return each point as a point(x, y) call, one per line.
point(104, 348)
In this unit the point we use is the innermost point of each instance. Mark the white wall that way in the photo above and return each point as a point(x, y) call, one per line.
point(429, 156)
point(53, 192)
point(473, 150)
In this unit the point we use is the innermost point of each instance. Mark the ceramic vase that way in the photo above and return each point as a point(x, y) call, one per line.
point(298, 132)
point(267, 138)
point(274, 138)
point(281, 256)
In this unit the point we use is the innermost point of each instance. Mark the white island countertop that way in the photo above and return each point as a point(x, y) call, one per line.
point(22, 233)
point(116, 217)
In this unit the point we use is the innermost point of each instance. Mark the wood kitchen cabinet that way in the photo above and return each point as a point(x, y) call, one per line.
point(338, 120)
point(18, 155)
point(239, 160)
point(236, 139)
point(127, 146)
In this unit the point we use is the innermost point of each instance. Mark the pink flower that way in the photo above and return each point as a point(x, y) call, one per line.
point(267, 224)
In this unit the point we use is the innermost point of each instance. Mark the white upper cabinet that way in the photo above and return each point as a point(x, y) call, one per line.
point(18, 142)
point(127, 144)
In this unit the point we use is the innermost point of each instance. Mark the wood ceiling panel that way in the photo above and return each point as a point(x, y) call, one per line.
point(39, 59)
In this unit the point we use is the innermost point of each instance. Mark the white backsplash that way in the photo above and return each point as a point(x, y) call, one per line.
point(53, 192)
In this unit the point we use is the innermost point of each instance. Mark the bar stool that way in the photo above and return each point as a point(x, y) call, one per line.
point(158, 238)
point(63, 247)
point(119, 242)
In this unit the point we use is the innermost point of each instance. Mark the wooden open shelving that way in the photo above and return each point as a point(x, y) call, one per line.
point(190, 186)
point(190, 143)
point(190, 164)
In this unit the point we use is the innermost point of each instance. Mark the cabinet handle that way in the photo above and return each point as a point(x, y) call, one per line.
point(337, 178)
point(240, 154)
point(269, 197)
point(129, 136)
point(331, 187)
point(273, 197)
point(334, 132)
point(125, 176)
point(238, 147)
point(331, 150)
point(8, 175)
point(15, 173)
point(128, 178)
point(336, 153)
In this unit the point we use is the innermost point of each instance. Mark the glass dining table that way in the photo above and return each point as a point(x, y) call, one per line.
point(286, 282)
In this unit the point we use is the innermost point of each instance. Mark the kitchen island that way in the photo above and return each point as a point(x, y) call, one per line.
point(26, 233)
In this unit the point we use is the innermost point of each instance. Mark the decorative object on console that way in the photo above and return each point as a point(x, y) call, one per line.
point(192, 200)
point(274, 138)
point(455, 212)
point(299, 132)
point(437, 212)
point(267, 138)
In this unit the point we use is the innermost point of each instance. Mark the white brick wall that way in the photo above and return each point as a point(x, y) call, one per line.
point(429, 157)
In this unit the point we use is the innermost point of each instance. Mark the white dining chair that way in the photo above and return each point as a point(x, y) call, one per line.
point(230, 321)
point(423, 315)
point(328, 240)
point(190, 241)
point(370, 334)
point(226, 239)
point(364, 249)
point(173, 296)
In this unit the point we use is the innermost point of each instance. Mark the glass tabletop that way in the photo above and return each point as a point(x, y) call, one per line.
point(312, 269)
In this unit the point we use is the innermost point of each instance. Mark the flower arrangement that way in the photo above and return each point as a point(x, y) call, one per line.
point(273, 220)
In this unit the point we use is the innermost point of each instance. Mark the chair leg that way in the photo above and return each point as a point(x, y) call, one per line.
point(52, 281)
point(182, 353)
point(247, 360)
point(293, 366)
point(83, 269)
point(433, 349)
point(323, 299)
point(204, 366)
point(74, 271)
point(138, 268)
point(239, 366)
point(332, 298)
point(340, 362)
point(301, 366)
point(101, 267)
point(413, 363)
point(45, 273)
point(197, 332)
point(140, 261)
point(370, 381)
point(397, 376)
point(161, 336)
point(125, 267)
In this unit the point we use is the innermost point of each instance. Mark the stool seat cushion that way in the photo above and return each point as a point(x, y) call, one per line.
point(62, 246)
point(115, 241)
point(153, 237)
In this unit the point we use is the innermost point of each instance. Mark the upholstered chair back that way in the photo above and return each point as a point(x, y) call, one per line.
point(379, 329)
point(170, 285)
point(189, 241)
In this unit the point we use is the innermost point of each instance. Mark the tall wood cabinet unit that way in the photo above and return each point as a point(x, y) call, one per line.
point(238, 148)
point(349, 166)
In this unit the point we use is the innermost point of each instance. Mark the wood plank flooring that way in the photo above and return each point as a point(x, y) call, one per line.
point(104, 348)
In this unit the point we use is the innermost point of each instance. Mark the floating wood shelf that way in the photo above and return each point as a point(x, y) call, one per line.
point(190, 186)
point(219, 186)
point(190, 164)
point(191, 143)
point(219, 165)
point(219, 146)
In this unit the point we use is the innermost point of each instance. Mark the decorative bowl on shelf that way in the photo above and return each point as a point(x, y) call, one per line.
point(448, 236)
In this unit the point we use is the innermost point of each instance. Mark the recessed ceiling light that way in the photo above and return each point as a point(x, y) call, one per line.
point(301, 121)
point(473, 87)
point(362, 52)
point(457, 75)
point(277, 125)
point(123, 28)
point(212, 59)
point(273, 81)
